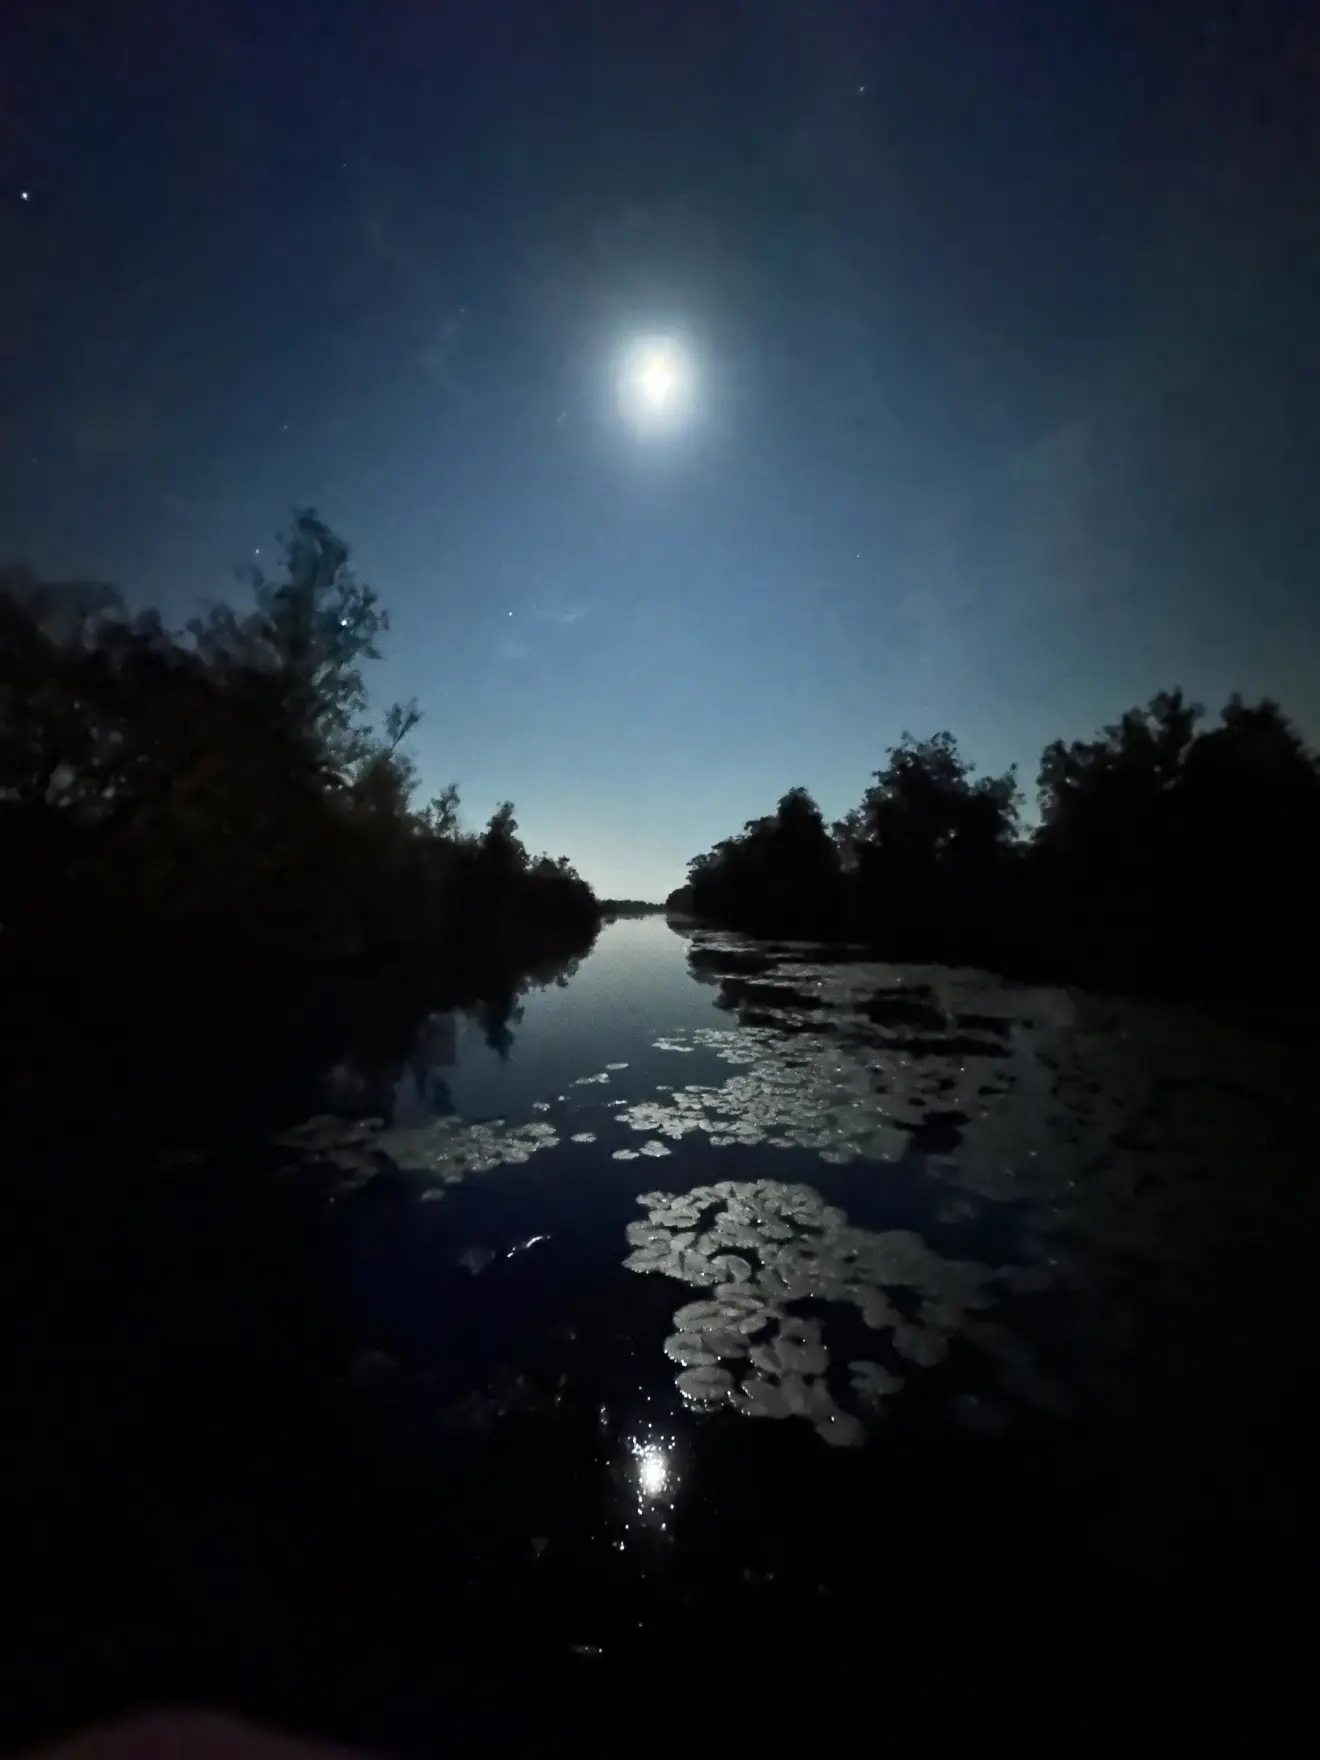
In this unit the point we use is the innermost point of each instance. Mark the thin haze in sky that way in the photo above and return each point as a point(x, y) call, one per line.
point(999, 325)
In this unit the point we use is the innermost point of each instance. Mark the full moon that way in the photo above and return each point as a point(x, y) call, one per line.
point(656, 383)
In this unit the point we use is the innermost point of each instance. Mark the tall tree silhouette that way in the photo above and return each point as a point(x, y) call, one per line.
point(225, 785)
point(930, 845)
point(782, 875)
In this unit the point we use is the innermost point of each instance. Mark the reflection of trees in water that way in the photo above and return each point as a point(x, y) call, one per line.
point(494, 1017)
point(500, 1010)
point(715, 961)
point(197, 1058)
point(436, 1049)
point(406, 1044)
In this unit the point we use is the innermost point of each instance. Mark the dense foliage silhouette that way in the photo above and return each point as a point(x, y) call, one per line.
point(222, 789)
point(1166, 855)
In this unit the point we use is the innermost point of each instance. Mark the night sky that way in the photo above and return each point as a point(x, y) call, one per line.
point(1001, 320)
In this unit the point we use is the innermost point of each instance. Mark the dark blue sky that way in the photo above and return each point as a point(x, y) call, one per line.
point(1003, 316)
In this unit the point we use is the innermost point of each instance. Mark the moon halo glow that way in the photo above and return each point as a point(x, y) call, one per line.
point(656, 384)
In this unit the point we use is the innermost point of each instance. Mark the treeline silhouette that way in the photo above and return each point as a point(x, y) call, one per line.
point(1168, 855)
point(221, 790)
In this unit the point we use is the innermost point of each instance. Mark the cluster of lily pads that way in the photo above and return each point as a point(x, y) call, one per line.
point(444, 1151)
point(1128, 1124)
point(761, 1246)
point(859, 1090)
point(1125, 1122)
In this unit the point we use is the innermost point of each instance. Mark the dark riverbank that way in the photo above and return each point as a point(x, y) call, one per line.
point(209, 813)
point(1270, 995)
point(213, 1039)
point(1169, 857)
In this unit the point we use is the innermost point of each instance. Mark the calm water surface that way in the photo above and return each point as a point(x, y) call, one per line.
point(724, 1301)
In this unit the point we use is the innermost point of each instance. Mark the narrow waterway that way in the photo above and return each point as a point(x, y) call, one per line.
point(720, 1298)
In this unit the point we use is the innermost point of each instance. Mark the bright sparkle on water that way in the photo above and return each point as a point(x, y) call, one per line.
point(652, 1470)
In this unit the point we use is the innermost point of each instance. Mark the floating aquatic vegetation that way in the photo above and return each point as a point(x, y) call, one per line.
point(876, 1311)
point(689, 1348)
point(675, 1120)
point(345, 1155)
point(923, 1345)
point(797, 1248)
point(760, 1397)
point(841, 1429)
point(795, 1349)
point(647, 1234)
point(873, 1383)
point(1100, 1122)
point(339, 1142)
point(1126, 1122)
point(705, 1386)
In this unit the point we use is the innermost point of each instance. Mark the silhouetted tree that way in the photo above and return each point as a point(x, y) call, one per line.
point(782, 876)
point(929, 848)
point(226, 782)
point(440, 815)
point(1162, 849)
point(1167, 856)
point(311, 625)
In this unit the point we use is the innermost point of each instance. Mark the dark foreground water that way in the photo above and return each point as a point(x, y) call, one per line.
point(732, 1321)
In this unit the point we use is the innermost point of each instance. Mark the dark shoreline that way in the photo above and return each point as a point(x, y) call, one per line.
point(1271, 1002)
point(153, 1040)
